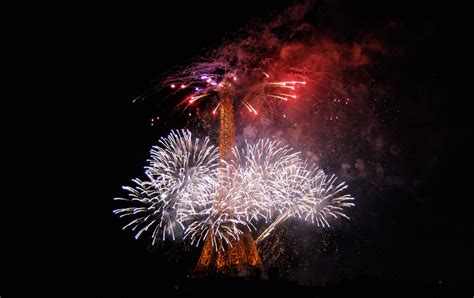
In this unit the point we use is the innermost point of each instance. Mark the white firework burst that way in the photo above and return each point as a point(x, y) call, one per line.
point(188, 187)
point(260, 165)
point(181, 172)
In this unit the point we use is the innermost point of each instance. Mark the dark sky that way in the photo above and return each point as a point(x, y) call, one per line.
point(108, 55)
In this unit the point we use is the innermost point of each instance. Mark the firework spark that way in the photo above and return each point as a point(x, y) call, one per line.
point(247, 68)
point(189, 189)
point(181, 172)
point(203, 86)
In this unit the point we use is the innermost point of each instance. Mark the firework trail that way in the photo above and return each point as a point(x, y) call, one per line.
point(190, 189)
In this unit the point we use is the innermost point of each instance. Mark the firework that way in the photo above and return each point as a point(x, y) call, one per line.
point(180, 174)
point(246, 67)
point(188, 188)
point(307, 193)
point(260, 164)
point(224, 215)
point(259, 89)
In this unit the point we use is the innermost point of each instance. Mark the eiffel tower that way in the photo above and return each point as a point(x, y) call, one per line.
point(241, 257)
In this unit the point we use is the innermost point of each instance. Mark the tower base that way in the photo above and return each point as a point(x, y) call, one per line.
point(240, 259)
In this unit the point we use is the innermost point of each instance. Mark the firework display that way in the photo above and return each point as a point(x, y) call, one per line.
point(248, 93)
point(191, 192)
point(211, 81)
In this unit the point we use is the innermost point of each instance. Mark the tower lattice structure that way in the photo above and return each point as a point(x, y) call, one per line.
point(240, 258)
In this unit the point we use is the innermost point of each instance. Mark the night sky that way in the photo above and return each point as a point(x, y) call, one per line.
point(404, 160)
